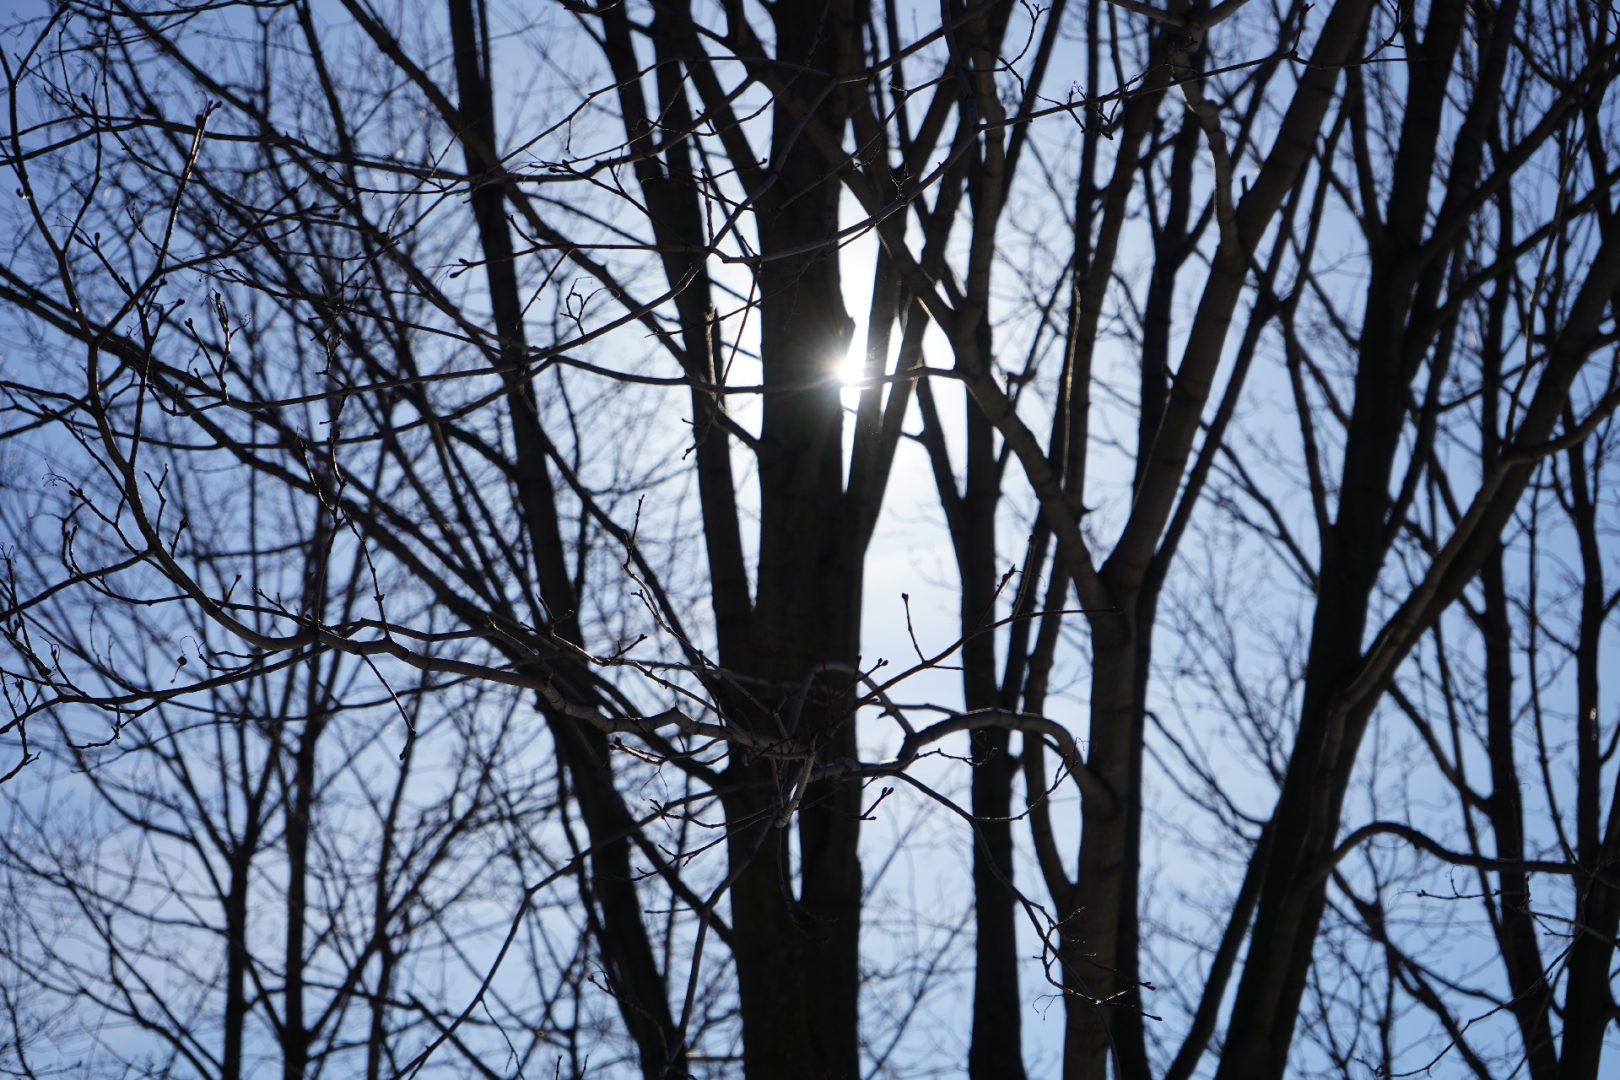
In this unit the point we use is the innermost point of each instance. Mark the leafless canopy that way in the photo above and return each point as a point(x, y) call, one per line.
point(814, 538)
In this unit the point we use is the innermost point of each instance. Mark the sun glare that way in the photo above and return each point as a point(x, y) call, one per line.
point(850, 370)
point(851, 367)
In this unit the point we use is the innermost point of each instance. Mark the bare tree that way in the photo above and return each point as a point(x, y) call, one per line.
point(469, 375)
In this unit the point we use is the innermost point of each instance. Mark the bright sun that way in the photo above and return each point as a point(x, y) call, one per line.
point(851, 367)
point(850, 370)
point(856, 259)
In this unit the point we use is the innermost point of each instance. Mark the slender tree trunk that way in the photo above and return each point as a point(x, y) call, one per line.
point(626, 948)
point(1516, 927)
point(1516, 930)
point(996, 1048)
point(377, 1032)
point(675, 213)
point(1590, 1008)
point(1589, 1011)
point(295, 1032)
point(236, 956)
point(1306, 820)
point(627, 953)
point(1307, 813)
point(1099, 937)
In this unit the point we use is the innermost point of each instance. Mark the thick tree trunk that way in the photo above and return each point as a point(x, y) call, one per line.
point(766, 944)
point(798, 960)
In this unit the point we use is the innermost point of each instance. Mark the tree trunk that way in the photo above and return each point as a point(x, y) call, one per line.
point(1590, 1007)
point(236, 957)
point(295, 1033)
point(799, 962)
point(1099, 936)
point(995, 1051)
point(637, 983)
